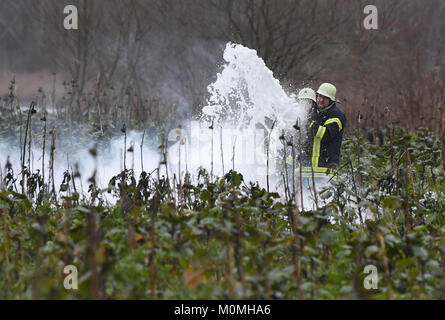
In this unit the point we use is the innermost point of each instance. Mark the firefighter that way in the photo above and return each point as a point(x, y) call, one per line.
point(325, 132)
point(307, 97)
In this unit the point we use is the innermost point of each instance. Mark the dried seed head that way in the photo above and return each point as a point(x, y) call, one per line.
point(282, 137)
point(92, 179)
point(93, 151)
point(296, 126)
point(76, 171)
point(8, 164)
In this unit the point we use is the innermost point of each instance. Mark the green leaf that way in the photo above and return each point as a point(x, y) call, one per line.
point(392, 240)
point(205, 195)
point(404, 263)
point(392, 203)
point(371, 249)
point(342, 254)
point(420, 252)
point(327, 235)
point(183, 262)
point(433, 266)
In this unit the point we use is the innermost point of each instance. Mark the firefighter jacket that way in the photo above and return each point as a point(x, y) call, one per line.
point(308, 141)
point(325, 134)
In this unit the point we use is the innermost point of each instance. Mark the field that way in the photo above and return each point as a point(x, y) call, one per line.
point(226, 238)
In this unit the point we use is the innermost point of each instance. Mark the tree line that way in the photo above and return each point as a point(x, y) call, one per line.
point(157, 57)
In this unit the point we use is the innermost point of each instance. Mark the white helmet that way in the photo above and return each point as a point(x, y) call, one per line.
point(307, 93)
point(328, 90)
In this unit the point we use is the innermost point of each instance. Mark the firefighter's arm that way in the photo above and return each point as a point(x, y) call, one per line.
point(333, 127)
point(328, 129)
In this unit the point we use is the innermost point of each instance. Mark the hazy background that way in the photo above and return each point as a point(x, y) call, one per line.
point(149, 62)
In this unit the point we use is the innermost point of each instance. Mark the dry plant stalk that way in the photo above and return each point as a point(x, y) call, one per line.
point(142, 145)
point(359, 118)
point(43, 149)
point(267, 153)
point(28, 121)
point(315, 189)
point(53, 147)
point(124, 131)
point(238, 246)
point(292, 145)
point(356, 191)
point(5, 235)
point(300, 163)
point(229, 264)
point(221, 148)
point(211, 154)
point(285, 175)
point(443, 143)
point(233, 154)
point(387, 276)
point(411, 178)
point(94, 239)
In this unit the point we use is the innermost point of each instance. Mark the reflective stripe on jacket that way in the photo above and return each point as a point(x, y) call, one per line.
point(326, 134)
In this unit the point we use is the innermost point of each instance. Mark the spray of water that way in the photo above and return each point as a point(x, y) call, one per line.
point(245, 113)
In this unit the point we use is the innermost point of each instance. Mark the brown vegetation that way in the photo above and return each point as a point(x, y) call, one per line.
point(152, 60)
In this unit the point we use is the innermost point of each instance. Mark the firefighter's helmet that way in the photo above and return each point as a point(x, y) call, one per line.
point(307, 93)
point(328, 90)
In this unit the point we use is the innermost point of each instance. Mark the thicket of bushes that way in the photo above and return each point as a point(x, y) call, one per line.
point(229, 239)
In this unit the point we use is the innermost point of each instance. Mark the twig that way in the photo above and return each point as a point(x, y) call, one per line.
point(267, 153)
point(43, 150)
point(221, 147)
point(31, 107)
point(233, 154)
point(315, 190)
point(53, 147)
point(142, 145)
point(211, 154)
point(356, 192)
